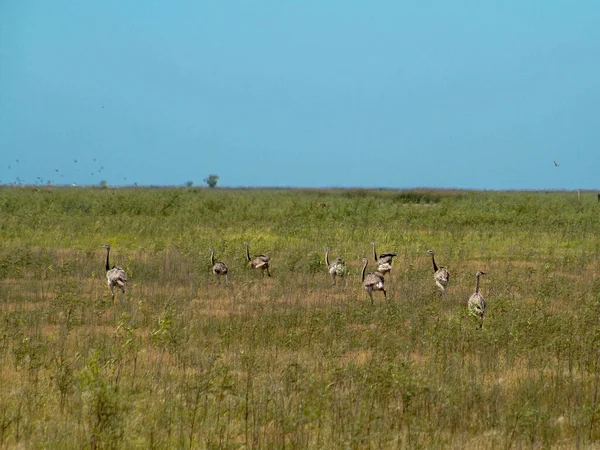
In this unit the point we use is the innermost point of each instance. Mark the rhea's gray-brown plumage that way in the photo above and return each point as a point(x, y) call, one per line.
point(383, 261)
point(219, 268)
point(477, 302)
point(373, 281)
point(440, 275)
point(336, 268)
point(259, 261)
point(115, 276)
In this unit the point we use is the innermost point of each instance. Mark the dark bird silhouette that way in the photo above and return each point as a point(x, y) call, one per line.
point(555, 164)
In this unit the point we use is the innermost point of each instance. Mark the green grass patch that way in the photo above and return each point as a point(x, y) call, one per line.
point(291, 361)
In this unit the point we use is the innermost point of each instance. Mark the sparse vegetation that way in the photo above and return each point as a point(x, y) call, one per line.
point(292, 361)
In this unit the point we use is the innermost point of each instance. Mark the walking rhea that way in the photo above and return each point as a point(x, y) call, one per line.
point(115, 276)
point(374, 281)
point(440, 275)
point(477, 302)
point(336, 268)
point(259, 261)
point(218, 268)
point(384, 261)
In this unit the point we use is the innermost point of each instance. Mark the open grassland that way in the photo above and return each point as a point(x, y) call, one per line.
point(291, 361)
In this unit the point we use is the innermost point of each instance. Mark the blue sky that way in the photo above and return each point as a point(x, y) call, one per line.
point(462, 94)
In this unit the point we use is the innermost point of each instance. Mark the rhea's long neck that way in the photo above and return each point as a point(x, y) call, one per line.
point(435, 267)
point(107, 264)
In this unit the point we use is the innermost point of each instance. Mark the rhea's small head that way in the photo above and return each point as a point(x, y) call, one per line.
point(246, 243)
point(106, 246)
point(431, 252)
point(327, 248)
point(479, 273)
point(211, 249)
point(365, 261)
point(373, 243)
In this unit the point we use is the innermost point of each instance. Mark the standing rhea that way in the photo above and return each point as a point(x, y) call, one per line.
point(259, 261)
point(115, 276)
point(477, 302)
point(218, 268)
point(384, 261)
point(440, 275)
point(336, 268)
point(374, 281)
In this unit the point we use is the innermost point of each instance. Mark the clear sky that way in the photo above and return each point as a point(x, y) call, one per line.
point(454, 94)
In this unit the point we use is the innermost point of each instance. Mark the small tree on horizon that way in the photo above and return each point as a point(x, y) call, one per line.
point(211, 180)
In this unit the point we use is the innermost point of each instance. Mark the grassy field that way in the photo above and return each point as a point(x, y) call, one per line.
point(291, 361)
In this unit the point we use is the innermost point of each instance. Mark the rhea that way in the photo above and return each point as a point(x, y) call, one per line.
point(384, 261)
point(259, 261)
point(219, 268)
point(336, 267)
point(373, 281)
point(477, 302)
point(115, 276)
point(441, 275)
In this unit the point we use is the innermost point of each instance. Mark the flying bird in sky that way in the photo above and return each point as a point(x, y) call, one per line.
point(555, 164)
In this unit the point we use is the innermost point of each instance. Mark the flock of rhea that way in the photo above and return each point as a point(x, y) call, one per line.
point(373, 281)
